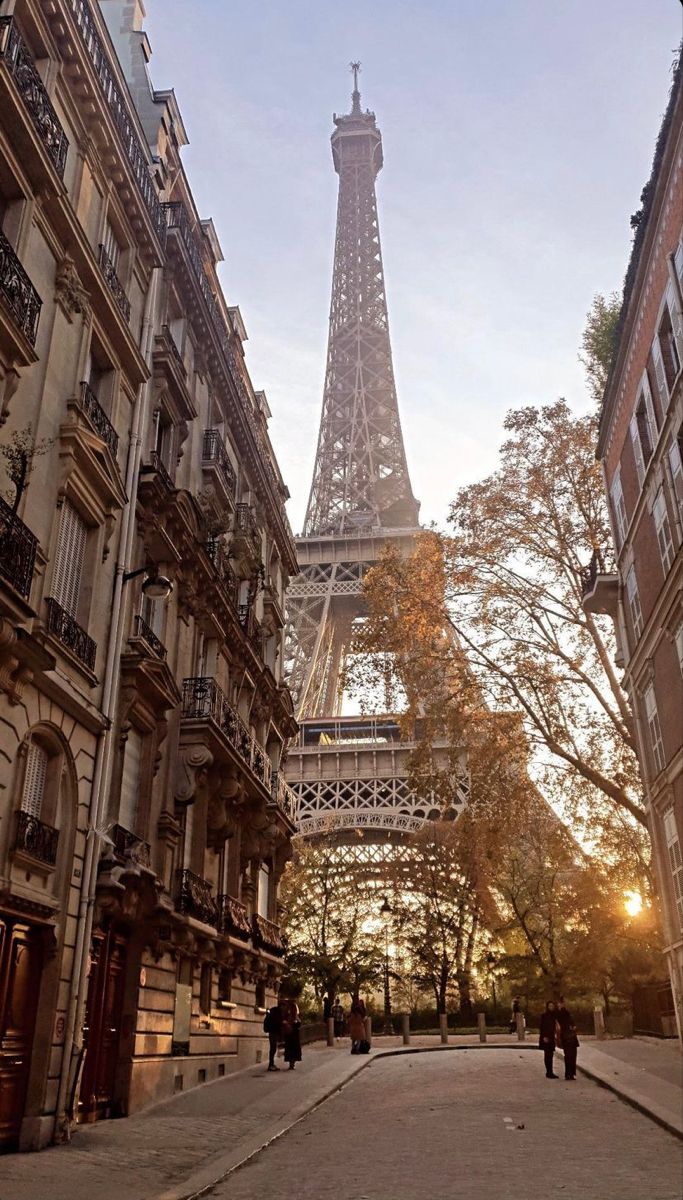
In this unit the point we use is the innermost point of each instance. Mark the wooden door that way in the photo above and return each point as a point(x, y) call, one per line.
point(20, 970)
point(103, 1023)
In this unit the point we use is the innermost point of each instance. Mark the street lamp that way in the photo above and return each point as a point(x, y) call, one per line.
point(385, 915)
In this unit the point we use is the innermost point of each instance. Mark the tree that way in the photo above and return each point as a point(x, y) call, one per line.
point(19, 453)
point(599, 342)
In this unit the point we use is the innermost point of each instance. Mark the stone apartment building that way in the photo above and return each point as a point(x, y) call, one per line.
point(641, 447)
point(144, 554)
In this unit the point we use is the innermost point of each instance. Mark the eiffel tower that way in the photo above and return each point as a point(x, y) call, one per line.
point(350, 773)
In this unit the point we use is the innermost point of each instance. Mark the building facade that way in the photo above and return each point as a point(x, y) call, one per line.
point(641, 447)
point(144, 555)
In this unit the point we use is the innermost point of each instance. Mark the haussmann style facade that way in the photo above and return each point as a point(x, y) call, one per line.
point(641, 449)
point(144, 554)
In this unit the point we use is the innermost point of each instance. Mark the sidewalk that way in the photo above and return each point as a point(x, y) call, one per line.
point(186, 1144)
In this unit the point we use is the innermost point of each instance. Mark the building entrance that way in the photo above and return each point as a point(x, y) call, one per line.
point(20, 971)
point(103, 1022)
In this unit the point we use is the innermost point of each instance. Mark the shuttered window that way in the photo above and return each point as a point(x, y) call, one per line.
point(111, 245)
point(677, 473)
point(619, 509)
point(34, 780)
point(676, 318)
point(673, 847)
point(69, 560)
point(660, 515)
point(130, 779)
point(655, 729)
point(634, 601)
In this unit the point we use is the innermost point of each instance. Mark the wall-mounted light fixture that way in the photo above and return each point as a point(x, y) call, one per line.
point(155, 586)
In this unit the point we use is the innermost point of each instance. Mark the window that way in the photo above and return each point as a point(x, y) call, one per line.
point(205, 985)
point(666, 350)
point(34, 780)
point(263, 898)
point(654, 727)
point(619, 509)
point(130, 779)
point(673, 846)
point(634, 601)
point(260, 994)
point(660, 515)
point(676, 464)
point(678, 638)
point(163, 439)
point(69, 558)
point(111, 245)
point(225, 986)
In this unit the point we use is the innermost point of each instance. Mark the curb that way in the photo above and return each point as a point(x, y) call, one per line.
point(631, 1100)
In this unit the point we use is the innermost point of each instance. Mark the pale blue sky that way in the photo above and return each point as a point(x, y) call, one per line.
point(518, 135)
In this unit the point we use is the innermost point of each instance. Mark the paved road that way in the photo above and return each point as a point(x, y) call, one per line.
point(447, 1127)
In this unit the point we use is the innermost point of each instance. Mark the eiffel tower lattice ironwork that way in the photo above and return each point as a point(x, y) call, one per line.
point(351, 773)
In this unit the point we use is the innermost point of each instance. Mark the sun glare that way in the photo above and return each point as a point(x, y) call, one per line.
point(633, 903)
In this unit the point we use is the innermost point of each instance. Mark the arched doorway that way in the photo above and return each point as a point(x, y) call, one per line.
point(20, 970)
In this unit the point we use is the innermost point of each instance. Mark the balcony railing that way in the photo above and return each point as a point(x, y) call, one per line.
point(219, 557)
point(283, 796)
point(36, 838)
point(233, 918)
point(203, 700)
point(128, 845)
point(215, 454)
point(17, 551)
point(267, 934)
point(194, 897)
point(69, 633)
point(130, 139)
point(149, 637)
point(156, 466)
point(173, 347)
point(589, 574)
point(114, 283)
point(98, 418)
point(16, 55)
point(18, 293)
point(251, 626)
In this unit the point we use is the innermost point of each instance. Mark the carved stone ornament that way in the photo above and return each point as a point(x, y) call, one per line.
point(14, 675)
point(191, 772)
point(69, 291)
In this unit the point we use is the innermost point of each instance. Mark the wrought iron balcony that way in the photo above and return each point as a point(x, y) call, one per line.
point(125, 125)
point(17, 551)
point(17, 58)
point(284, 796)
point(251, 626)
point(194, 897)
point(203, 700)
point(36, 838)
point(98, 418)
point(245, 525)
point(18, 293)
point(156, 466)
point(113, 282)
point(173, 347)
point(149, 637)
point(69, 633)
point(233, 918)
point(214, 454)
point(129, 846)
point(219, 557)
point(267, 934)
point(589, 574)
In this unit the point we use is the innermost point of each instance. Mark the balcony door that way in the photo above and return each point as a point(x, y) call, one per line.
point(20, 970)
point(103, 1023)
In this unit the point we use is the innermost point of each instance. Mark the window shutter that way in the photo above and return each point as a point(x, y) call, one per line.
point(676, 318)
point(676, 472)
point(130, 780)
point(660, 374)
point(678, 261)
point(34, 780)
point(68, 570)
point(637, 449)
point(649, 409)
point(111, 245)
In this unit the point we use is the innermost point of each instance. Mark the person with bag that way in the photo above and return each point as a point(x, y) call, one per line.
point(547, 1037)
point(568, 1041)
point(272, 1025)
point(356, 1028)
point(290, 1029)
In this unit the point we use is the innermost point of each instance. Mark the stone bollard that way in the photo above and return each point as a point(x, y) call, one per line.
point(405, 1028)
point(521, 1026)
point(330, 1031)
point(481, 1022)
point(443, 1028)
point(599, 1023)
point(368, 1030)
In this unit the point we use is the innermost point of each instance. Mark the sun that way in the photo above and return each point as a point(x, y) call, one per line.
point(633, 903)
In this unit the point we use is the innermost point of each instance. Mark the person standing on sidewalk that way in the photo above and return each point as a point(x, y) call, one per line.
point(291, 1025)
point(516, 1008)
point(568, 1039)
point(356, 1027)
point(547, 1037)
point(338, 1018)
point(272, 1025)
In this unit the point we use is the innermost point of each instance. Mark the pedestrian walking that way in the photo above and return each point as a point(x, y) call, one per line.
point(568, 1039)
point(357, 1028)
point(272, 1025)
point(547, 1037)
point(516, 1008)
point(338, 1018)
point(291, 1026)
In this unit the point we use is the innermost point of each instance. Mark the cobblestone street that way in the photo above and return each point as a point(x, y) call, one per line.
point(466, 1126)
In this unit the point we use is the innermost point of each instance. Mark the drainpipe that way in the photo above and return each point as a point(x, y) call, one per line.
point(72, 1052)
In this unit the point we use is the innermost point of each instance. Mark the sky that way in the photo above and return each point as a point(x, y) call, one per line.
point(518, 135)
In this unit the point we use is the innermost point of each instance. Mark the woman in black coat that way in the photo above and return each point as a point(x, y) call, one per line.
point(568, 1038)
point(547, 1036)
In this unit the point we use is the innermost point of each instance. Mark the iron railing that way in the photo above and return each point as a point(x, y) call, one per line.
point(194, 897)
point(267, 934)
point(215, 454)
point(18, 293)
point(69, 633)
point(219, 557)
point(156, 465)
point(589, 574)
point(233, 918)
point(128, 845)
point(245, 525)
point(251, 626)
point(36, 838)
point(17, 57)
point(17, 550)
point(149, 637)
point(283, 796)
point(98, 418)
point(133, 147)
point(203, 700)
point(173, 346)
point(113, 282)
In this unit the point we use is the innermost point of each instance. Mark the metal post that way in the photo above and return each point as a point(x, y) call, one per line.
point(599, 1022)
point(330, 1031)
point(521, 1026)
point(481, 1022)
point(368, 1030)
point(443, 1028)
point(405, 1028)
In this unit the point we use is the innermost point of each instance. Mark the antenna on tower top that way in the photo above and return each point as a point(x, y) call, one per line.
point(355, 110)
